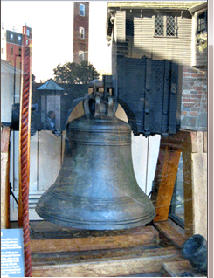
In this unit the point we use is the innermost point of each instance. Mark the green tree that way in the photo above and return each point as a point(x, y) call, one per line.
point(73, 73)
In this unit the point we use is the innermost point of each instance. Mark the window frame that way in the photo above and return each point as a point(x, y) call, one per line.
point(199, 31)
point(164, 16)
point(81, 52)
point(28, 33)
point(82, 34)
point(82, 11)
point(157, 35)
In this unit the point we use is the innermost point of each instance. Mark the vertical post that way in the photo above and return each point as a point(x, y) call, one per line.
point(5, 177)
point(195, 183)
point(24, 153)
point(165, 175)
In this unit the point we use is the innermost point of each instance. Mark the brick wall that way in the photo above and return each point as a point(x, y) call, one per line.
point(194, 99)
point(80, 21)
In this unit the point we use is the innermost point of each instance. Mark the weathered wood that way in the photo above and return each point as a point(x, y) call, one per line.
point(165, 177)
point(175, 141)
point(81, 256)
point(176, 269)
point(205, 142)
point(5, 182)
point(193, 146)
point(5, 139)
point(188, 194)
point(134, 237)
point(149, 261)
point(172, 232)
point(195, 184)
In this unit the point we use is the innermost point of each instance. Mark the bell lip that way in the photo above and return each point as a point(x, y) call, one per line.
point(91, 223)
point(97, 225)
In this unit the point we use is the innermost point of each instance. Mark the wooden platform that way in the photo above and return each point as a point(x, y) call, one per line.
point(61, 252)
point(46, 238)
point(107, 263)
point(149, 251)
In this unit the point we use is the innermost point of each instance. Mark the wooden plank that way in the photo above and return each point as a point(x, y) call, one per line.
point(176, 269)
point(165, 177)
point(149, 261)
point(134, 237)
point(195, 185)
point(205, 139)
point(5, 179)
point(41, 259)
point(5, 139)
point(172, 232)
point(188, 202)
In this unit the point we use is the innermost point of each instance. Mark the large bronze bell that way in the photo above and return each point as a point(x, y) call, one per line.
point(96, 187)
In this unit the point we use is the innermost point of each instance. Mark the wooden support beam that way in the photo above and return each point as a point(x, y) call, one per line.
point(150, 261)
point(172, 232)
point(5, 177)
point(134, 237)
point(165, 177)
point(193, 144)
point(176, 269)
point(195, 183)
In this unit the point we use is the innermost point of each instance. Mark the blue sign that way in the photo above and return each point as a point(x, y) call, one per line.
point(12, 253)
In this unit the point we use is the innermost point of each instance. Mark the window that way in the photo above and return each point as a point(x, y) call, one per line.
point(82, 56)
point(129, 27)
point(165, 26)
point(82, 9)
point(28, 32)
point(170, 26)
point(82, 33)
point(19, 37)
point(158, 25)
point(202, 22)
point(11, 36)
point(11, 50)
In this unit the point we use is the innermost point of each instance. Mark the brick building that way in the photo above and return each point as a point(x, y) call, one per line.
point(80, 31)
point(14, 45)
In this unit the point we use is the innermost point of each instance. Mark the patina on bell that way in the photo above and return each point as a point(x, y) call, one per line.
point(96, 187)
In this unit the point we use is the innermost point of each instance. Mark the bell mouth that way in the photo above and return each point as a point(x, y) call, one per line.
point(98, 225)
point(95, 214)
